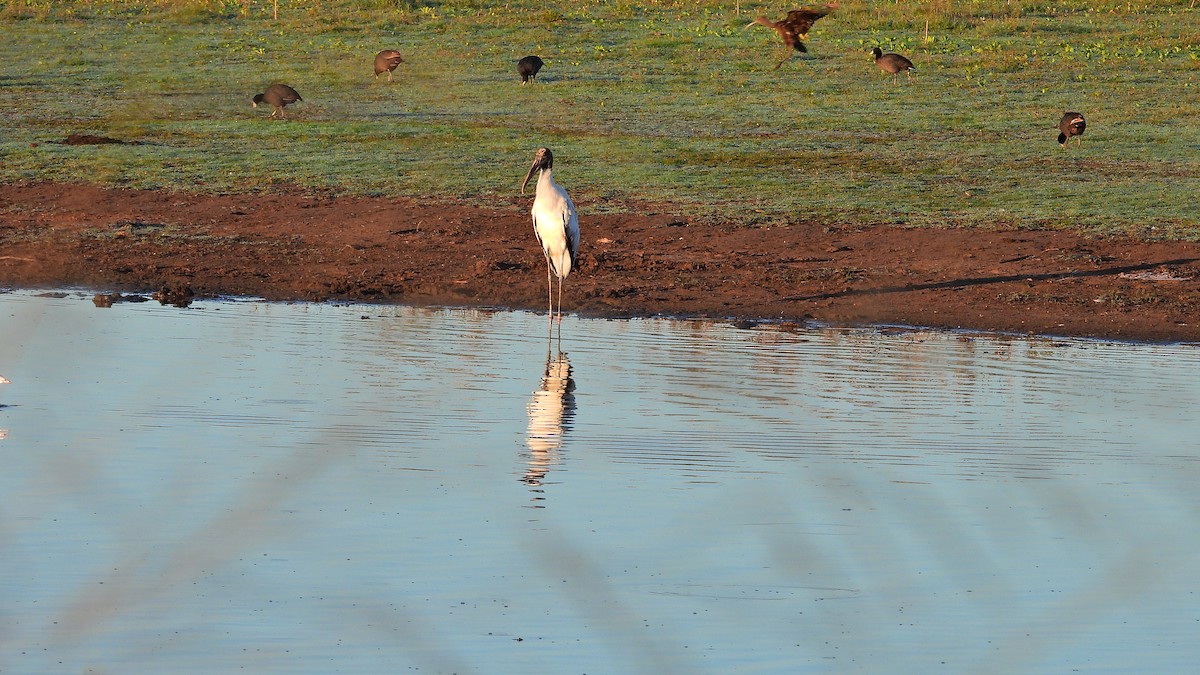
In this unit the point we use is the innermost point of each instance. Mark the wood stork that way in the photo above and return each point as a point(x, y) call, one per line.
point(893, 63)
point(528, 68)
point(386, 61)
point(277, 95)
point(793, 29)
point(1071, 124)
point(556, 224)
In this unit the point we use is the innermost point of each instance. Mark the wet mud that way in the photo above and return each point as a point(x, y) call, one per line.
point(293, 245)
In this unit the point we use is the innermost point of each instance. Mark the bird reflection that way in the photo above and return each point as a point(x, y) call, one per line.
point(3, 432)
point(551, 410)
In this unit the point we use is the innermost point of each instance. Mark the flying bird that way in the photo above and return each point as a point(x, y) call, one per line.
point(793, 29)
point(277, 95)
point(893, 63)
point(1071, 124)
point(556, 224)
point(528, 68)
point(387, 60)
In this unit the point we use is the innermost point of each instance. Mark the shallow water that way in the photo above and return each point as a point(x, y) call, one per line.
point(319, 488)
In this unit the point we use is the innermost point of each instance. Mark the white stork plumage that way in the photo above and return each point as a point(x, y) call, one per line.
point(556, 224)
point(4, 432)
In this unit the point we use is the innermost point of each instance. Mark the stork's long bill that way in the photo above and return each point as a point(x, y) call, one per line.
point(541, 161)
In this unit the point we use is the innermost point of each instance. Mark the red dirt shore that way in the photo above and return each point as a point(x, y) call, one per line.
point(298, 246)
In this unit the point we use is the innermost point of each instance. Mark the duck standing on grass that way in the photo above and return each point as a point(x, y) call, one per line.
point(1071, 124)
point(556, 224)
point(277, 95)
point(387, 61)
point(528, 68)
point(893, 63)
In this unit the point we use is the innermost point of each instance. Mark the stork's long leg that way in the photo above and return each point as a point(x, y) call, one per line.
point(560, 309)
point(549, 291)
point(560, 303)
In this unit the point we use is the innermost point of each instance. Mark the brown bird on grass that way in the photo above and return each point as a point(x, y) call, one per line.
point(528, 68)
point(387, 60)
point(793, 29)
point(893, 63)
point(1071, 124)
point(278, 95)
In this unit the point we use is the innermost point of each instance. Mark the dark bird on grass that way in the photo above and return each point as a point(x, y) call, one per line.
point(556, 224)
point(893, 63)
point(793, 29)
point(277, 95)
point(1071, 124)
point(386, 61)
point(528, 68)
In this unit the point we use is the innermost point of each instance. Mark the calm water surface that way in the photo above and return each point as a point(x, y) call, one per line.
point(318, 488)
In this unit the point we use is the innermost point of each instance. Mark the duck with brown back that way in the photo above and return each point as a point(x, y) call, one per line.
point(893, 63)
point(386, 61)
point(1071, 124)
point(528, 68)
point(277, 96)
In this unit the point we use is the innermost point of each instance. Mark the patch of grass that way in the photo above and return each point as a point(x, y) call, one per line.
point(660, 101)
point(1136, 297)
point(837, 274)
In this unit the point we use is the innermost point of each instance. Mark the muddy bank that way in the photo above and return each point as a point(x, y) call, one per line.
point(306, 247)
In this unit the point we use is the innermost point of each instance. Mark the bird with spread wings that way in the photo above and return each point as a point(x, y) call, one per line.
point(793, 29)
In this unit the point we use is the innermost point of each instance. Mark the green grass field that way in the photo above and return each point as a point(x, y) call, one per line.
point(641, 101)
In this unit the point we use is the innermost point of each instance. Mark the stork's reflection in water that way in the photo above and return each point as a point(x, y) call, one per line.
point(551, 410)
point(3, 432)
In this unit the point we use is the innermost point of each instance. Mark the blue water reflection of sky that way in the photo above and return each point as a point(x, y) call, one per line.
point(312, 488)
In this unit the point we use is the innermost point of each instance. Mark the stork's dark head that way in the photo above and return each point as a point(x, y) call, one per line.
point(877, 53)
point(258, 98)
point(543, 160)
